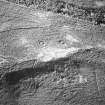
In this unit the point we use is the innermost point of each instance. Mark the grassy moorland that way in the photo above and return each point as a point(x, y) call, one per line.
point(54, 79)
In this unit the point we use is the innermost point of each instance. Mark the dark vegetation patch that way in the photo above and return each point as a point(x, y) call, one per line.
point(93, 14)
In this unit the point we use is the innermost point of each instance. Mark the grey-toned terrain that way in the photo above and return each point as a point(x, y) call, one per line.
point(52, 52)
